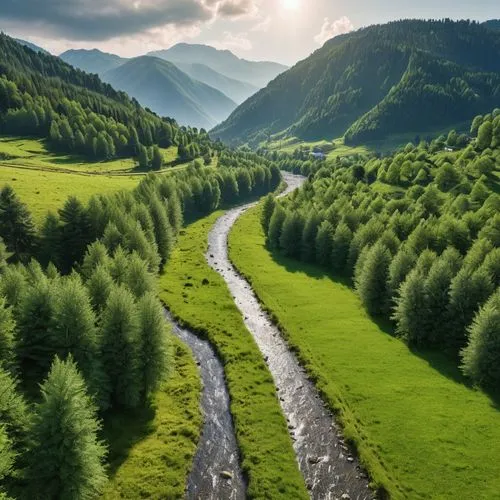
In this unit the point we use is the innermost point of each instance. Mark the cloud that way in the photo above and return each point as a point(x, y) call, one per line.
point(263, 25)
point(332, 29)
point(233, 41)
point(100, 20)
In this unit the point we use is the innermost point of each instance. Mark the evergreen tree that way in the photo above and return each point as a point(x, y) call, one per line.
point(96, 255)
point(67, 458)
point(120, 347)
point(481, 357)
point(50, 244)
point(291, 234)
point(372, 283)
point(157, 160)
point(16, 225)
point(7, 458)
point(138, 278)
point(324, 243)
point(275, 226)
point(267, 212)
point(13, 285)
point(174, 212)
point(341, 243)
point(162, 230)
point(7, 338)
point(75, 232)
point(308, 240)
point(400, 266)
point(99, 286)
point(154, 341)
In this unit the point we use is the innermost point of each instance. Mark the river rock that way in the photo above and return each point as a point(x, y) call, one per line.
point(226, 474)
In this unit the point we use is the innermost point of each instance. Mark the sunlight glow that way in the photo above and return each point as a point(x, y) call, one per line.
point(291, 4)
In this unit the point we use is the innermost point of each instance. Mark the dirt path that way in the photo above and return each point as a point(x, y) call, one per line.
point(329, 470)
point(216, 472)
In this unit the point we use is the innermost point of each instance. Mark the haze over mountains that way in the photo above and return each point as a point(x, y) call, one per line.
point(178, 84)
point(405, 76)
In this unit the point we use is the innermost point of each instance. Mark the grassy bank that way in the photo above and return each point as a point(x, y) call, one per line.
point(151, 451)
point(199, 297)
point(421, 432)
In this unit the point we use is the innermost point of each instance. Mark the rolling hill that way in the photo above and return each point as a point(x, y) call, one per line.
point(256, 73)
point(92, 61)
point(166, 90)
point(399, 77)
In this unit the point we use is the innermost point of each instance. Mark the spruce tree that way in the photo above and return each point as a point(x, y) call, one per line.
point(275, 227)
point(372, 281)
point(291, 234)
point(138, 279)
point(162, 230)
point(308, 239)
point(67, 458)
point(95, 256)
point(17, 228)
point(99, 286)
point(121, 348)
point(341, 243)
point(324, 240)
point(267, 212)
point(481, 357)
point(7, 338)
point(154, 343)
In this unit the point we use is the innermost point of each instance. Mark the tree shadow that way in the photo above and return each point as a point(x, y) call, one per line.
point(445, 363)
point(124, 429)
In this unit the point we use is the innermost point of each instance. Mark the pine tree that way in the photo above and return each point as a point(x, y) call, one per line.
point(13, 285)
point(308, 240)
point(16, 225)
point(7, 458)
point(291, 234)
point(35, 315)
point(67, 458)
point(372, 282)
point(162, 230)
point(481, 357)
point(95, 256)
point(341, 243)
point(99, 286)
point(120, 348)
point(267, 212)
point(7, 338)
point(174, 211)
point(275, 226)
point(75, 232)
point(324, 240)
point(138, 278)
point(154, 339)
point(50, 244)
point(157, 160)
point(402, 263)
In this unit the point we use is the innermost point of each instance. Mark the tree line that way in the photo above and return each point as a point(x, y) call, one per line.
point(44, 97)
point(82, 330)
point(418, 233)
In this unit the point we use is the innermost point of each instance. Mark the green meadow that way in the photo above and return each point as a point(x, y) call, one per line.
point(199, 298)
point(419, 429)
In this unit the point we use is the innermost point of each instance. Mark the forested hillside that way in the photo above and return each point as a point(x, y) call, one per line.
point(42, 96)
point(92, 61)
point(405, 76)
point(418, 233)
point(165, 89)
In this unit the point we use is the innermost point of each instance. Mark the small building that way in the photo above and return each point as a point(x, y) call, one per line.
point(318, 155)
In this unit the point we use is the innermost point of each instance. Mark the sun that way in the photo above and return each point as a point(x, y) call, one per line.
point(291, 4)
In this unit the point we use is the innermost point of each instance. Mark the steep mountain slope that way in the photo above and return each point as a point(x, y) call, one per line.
point(236, 90)
point(257, 73)
point(32, 46)
point(92, 61)
point(166, 90)
point(400, 77)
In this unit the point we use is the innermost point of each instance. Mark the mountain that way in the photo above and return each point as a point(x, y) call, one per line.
point(236, 90)
point(166, 90)
point(258, 74)
point(399, 77)
point(92, 61)
point(32, 46)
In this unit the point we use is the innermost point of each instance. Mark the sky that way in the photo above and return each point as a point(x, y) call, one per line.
point(278, 30)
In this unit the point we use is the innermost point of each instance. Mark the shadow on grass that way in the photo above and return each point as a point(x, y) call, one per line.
point(123, 430)
point(445, 363)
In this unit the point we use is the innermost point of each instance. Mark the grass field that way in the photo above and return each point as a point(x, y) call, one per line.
point(207, 307)
point(151, 452)
point(45, 190)
point(33, 153)
point(421, 432)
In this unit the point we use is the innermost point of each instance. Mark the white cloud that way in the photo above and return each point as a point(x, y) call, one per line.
point(332, 29)
point(233, 41)
point(263, 26)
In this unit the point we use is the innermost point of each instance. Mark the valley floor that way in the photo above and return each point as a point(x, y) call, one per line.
point(420, 431)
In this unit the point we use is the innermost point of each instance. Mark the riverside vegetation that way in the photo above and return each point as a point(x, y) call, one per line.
point(416, 234)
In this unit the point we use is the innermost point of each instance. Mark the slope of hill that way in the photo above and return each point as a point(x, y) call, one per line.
point(92, 61)
point(234, 89)
point(257, 73)
point(165, 89)
point(493, 24)
point(32, 46)
point(404, 76)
